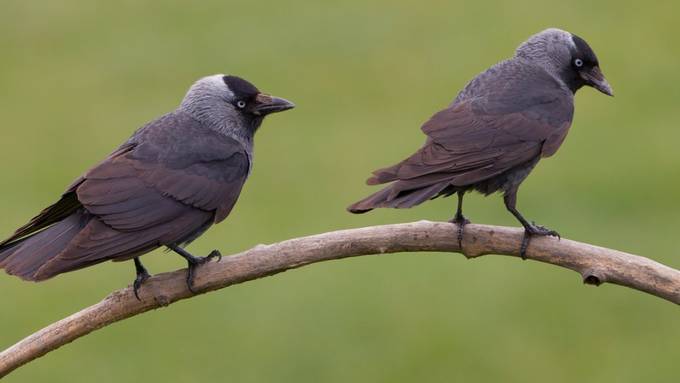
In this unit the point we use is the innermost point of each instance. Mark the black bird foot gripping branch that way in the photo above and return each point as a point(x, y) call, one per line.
point(595, 264)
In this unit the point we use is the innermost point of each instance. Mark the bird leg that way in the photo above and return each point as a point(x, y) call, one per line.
point(460, 219)
point(193, 262)
point(142, 275)
point(530, 229)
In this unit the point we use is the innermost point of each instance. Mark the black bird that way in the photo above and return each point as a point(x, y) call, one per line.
point(165, 186)
point(496, 130)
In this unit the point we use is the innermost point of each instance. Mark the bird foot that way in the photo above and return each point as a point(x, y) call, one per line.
point(197, 261)
point(460, 221)
point(534, 230)
point(141, 277)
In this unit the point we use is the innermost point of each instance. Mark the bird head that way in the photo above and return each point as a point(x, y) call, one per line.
point(566, 56)
point(231, 103)
point(247, 99)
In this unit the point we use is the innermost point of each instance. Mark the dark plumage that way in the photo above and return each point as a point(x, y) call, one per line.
point(493, 134)
point(165, 186)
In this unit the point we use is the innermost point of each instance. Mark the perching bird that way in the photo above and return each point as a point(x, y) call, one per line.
point(496, 130)
point(165, 186)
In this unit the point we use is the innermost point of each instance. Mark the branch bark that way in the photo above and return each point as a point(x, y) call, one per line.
point(595, 264)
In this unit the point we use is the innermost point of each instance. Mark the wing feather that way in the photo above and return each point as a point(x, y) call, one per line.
point(172, 165)
point(481, 137)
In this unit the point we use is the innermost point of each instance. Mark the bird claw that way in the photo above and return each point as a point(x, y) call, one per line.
point(141, 277)
point(460, 221)
point(534, 230)
point(197, 261)
point(215, 254)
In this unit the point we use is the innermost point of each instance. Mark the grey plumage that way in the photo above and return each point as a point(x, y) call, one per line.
point(166, 185)
point(498, 127)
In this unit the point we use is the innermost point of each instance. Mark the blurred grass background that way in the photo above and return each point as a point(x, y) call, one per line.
point(78, 77)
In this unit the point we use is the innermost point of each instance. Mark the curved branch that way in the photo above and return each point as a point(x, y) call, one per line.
point(595, 264)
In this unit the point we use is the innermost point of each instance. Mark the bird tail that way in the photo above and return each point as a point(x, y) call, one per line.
point(25, 256)
point(395, 197)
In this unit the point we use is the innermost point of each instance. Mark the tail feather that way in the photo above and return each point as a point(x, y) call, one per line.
point(393, 197)
point(25, 256)
point(63, 208)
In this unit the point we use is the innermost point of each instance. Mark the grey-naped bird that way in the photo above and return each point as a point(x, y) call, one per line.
point(165, 186)
point(499, 126)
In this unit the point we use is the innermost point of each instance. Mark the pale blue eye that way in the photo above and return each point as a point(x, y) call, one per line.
point(578, 62)
point(241, 104)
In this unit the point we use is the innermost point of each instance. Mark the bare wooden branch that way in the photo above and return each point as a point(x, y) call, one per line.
point(595, 264)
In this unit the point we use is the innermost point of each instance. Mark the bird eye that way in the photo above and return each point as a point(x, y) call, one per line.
point(241, 104)
point(578, 63)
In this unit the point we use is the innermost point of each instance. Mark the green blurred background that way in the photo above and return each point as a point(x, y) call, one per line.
point(77, 77)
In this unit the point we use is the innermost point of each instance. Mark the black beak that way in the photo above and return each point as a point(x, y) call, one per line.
point(595, 78)
point(266, 104)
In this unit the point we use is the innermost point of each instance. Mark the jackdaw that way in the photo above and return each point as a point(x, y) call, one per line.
point(499, 126)
point(165, 186)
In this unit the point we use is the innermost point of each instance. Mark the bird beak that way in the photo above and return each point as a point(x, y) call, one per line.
point(266, 104)
point(595, 78)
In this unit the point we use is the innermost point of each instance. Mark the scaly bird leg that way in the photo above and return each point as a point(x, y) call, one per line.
point(460, 219)
point(530, 229)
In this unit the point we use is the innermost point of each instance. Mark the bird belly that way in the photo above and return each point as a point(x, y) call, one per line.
point(507, 180)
